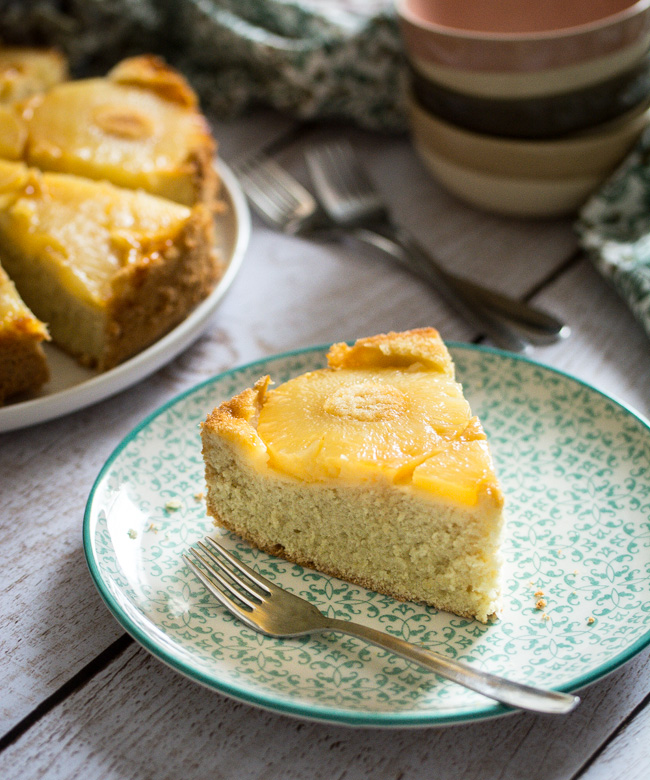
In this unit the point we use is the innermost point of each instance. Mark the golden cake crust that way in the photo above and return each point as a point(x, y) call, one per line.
point(420, 346)
point(156, 294)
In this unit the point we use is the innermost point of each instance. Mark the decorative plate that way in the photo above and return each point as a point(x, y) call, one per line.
point(73, 387)
point(574, 465)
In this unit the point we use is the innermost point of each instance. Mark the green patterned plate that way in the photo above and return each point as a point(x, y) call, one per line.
point(575, 470)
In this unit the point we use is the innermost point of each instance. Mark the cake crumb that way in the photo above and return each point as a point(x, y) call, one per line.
point(172, 505)
point(545, 617)
point(153, 528)
point(539, 593)
point(590, 620)
point(575, 572)
point(132, 534)
point(198, 496)
point(541, 603)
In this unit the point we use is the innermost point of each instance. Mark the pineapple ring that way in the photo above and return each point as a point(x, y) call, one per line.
point(360, 423)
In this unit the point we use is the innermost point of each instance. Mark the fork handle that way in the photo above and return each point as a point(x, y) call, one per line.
point(468, 307)
point(513, 694)
point(541, 327)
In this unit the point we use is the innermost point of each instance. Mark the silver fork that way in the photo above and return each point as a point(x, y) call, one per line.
point(352, 201)
point(277, 197)
point(285, 204)
point(266, 608)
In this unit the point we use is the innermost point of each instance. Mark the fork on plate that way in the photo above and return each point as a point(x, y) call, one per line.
point(266, 608)
point(285, 204)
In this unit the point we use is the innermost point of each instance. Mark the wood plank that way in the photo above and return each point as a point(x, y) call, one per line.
point(627, 755)
point(140, 719)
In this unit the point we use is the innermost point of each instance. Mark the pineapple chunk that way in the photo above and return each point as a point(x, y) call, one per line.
point(26, 71)
point(461, 471)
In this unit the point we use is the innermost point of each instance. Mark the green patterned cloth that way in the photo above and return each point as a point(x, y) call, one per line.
point(614, 228)
point(340, 59)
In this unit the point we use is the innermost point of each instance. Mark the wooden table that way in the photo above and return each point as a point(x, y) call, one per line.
point(82, 699)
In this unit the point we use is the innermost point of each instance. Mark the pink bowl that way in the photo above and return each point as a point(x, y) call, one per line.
point(519, 35)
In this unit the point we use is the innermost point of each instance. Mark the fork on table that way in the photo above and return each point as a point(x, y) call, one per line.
point(286, 205)
point(352, 201)
point(266, 608)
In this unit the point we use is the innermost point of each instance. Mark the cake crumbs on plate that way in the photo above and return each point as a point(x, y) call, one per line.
point(539, 593)
point(545, 617)
point(172, 505)
point(199, 496)
point(540, 604)
point(591, 620)
point(132, 533)
point(152, 527)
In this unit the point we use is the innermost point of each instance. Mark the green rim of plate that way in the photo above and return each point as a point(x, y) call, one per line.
point(317, 712)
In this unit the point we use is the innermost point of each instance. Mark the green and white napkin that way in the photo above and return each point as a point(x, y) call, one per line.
point(614, 228)
point(333, 59)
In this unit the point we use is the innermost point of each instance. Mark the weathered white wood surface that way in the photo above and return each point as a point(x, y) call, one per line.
point(135, 718)
point(138, 719)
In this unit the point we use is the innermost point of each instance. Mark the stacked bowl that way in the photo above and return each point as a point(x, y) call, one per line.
point(524, 107)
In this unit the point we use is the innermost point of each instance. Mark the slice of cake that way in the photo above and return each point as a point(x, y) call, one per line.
point(140, 127)
point(109, 270)
point(372, 470)
point(23, 368)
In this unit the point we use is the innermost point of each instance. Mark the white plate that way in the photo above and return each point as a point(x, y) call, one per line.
point(73, 387)
point(574, 468)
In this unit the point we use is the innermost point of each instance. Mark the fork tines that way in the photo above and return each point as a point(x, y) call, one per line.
point(277, 196)
point(225, 581)
point(339, 159)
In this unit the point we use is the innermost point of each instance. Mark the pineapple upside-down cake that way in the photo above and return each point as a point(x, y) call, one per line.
point(373, 470)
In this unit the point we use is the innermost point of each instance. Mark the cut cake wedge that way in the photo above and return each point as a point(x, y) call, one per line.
point(373, 470)
point(23, 367)
point(109, 270)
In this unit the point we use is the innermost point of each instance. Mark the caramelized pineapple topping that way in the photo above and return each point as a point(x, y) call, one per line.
point(384, 409)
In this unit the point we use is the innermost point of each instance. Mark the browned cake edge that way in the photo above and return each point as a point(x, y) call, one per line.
point(155, 295)
point(23, 367)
